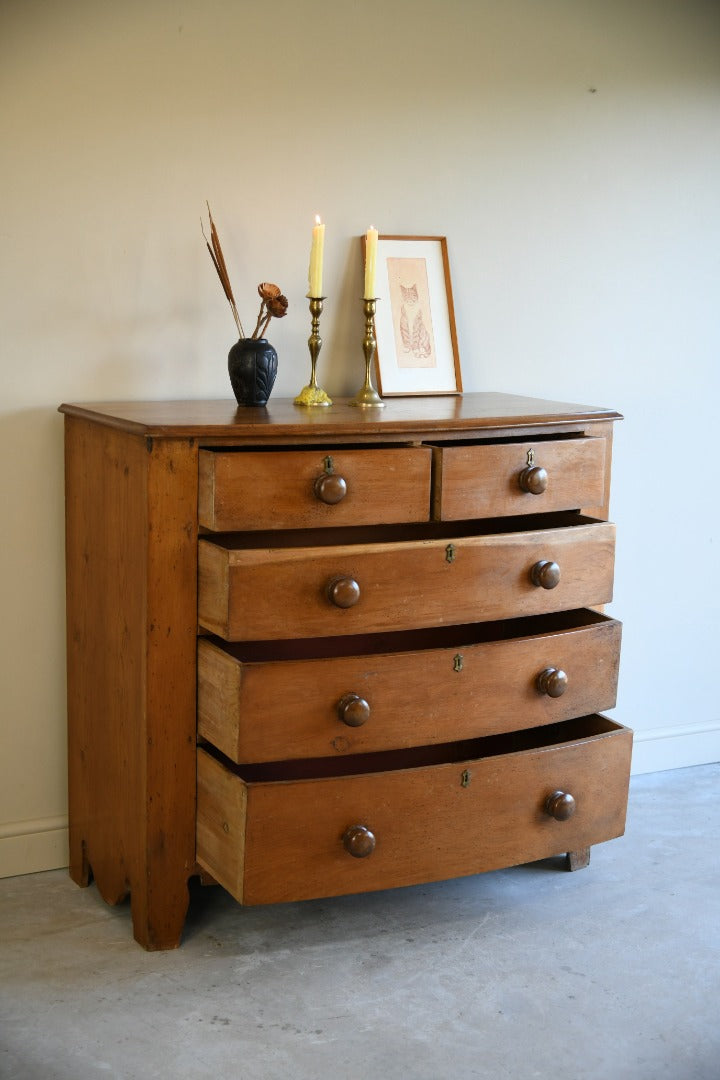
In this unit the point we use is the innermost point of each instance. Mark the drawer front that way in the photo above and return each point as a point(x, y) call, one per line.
point(277, 841)
point(448, 686)
point(262, 594)
point(497, 480)
point(313, 488)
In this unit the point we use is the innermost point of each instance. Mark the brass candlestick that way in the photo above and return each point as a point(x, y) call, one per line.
point(367, 396)
point(312, 394)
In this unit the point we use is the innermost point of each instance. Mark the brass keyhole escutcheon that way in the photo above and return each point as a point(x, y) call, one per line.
point(465, 778)
point(450, 553)
point(458, 662)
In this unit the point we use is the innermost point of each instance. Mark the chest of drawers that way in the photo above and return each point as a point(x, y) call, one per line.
point(322, 653)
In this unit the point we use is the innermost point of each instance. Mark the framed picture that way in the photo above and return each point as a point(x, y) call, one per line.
point(417, 350)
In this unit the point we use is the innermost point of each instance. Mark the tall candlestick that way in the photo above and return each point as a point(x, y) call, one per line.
point(367, 395)
point(315, 273)
point(312, 394)
point(371, 241)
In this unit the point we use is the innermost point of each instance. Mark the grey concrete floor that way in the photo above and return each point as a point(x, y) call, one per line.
point(609, 972)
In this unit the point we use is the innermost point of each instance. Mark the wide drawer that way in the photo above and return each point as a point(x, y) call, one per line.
point(501, 479)
point(268, 834)
point(288, 489)
point(270, 701)
point(306, 585)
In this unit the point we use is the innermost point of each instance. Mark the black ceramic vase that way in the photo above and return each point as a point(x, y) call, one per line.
point(252, 364)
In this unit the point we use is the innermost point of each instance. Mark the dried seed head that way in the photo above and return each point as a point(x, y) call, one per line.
point(277, 306)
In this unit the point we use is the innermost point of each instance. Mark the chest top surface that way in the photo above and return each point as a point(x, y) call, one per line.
point(457, 416)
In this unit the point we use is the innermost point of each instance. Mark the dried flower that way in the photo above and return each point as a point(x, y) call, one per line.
point(272, 301)
point(278, 306)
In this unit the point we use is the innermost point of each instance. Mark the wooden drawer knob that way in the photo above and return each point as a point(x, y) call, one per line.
point(552, 681)
point(533, 479)
point(545, 574)
point(353, 710)
point(330, 488)
point(344, 592)
point(560, 805)
point(358, 841)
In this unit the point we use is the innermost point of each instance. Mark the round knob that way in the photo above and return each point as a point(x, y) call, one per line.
point(353, 710)
point(552, 681)
point(560, 805)
point(533, 479)
point(358, 841)
point(344, 592)
point(330, 488)
point(545, 574)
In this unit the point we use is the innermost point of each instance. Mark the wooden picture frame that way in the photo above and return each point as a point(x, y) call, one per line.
point(417, 350)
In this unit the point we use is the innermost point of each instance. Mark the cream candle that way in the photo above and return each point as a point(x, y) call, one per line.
point(315, 273)
point(371, 241)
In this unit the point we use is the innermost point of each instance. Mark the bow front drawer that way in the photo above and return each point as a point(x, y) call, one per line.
point(304, 585)
point(300, 489)
point(271, 701)
point(501, 479)
point(292, 831)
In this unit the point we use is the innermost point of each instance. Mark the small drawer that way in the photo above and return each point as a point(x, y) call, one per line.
point(501, 479)
point(282, 832)
point(304, 585)
point(302, 489)
point(273, 701)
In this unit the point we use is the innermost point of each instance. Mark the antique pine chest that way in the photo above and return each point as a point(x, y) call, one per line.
point(324, 652)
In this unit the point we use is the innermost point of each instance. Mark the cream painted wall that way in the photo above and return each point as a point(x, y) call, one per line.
point(568, 149)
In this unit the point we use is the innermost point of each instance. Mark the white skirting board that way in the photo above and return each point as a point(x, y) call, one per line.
point(27, 847)
point(678, 747)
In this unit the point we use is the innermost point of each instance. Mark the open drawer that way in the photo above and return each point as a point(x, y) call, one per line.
point(317, 583)
point(263, 701)
point(296, 830)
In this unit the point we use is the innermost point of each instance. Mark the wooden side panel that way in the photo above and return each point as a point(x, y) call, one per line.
point(483, 480)
point(213, 585)
point(431, 823)
point(262, 490)
point(274, 594)
point(106, 595)
point(221, 679)
point(206, 489)
point(131, 574)
point(221, 816)
point(270, 711)
point(602, 509)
